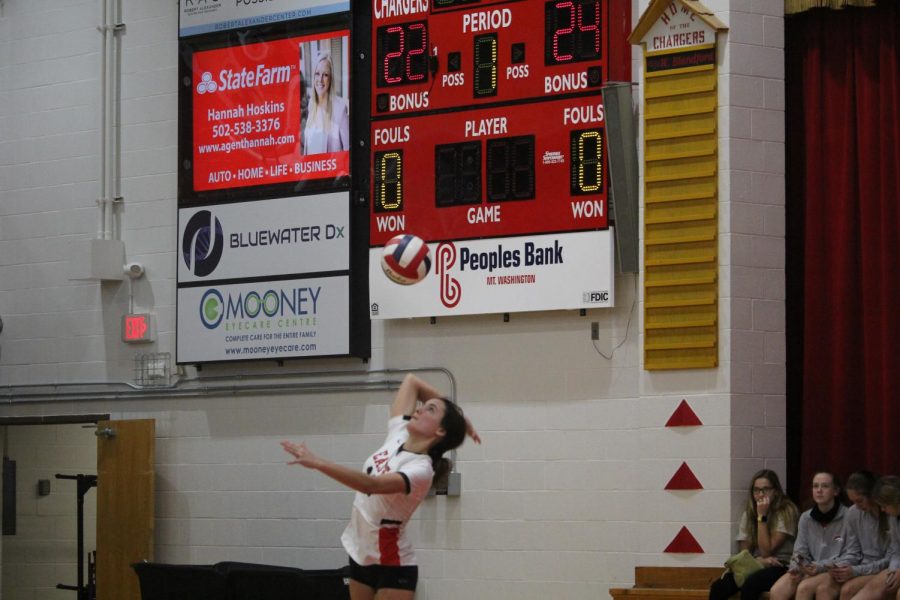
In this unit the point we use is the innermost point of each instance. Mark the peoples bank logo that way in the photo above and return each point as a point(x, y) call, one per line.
point(202, 243)
point(450, 288)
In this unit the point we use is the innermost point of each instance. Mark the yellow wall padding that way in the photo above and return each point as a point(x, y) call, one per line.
point(681, 219)
point(796, 6)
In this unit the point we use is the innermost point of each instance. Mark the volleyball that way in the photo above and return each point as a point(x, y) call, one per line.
point(406, 259)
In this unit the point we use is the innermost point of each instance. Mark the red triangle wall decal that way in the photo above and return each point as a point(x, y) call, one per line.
point(684, 542)
point(684, 479)
point(683, 416)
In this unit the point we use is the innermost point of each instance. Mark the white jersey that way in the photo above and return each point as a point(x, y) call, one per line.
point(376, 534)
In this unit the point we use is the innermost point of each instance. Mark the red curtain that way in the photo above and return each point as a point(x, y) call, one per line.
point(843, 268)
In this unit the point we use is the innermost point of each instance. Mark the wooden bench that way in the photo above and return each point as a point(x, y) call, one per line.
point(671, 583)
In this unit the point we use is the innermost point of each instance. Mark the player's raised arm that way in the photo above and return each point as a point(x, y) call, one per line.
point(412, 391)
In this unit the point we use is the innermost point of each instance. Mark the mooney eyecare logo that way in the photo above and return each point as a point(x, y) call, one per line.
point(202, 243)
point(230, 79)
point(254, 309)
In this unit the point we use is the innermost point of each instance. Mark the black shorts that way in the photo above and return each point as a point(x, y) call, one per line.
point(379, 576)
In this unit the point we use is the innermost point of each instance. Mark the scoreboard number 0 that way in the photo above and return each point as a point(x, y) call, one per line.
point(586, 158)
point(389, 181)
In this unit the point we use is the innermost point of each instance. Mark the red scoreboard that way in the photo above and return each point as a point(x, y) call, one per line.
point(487, 122)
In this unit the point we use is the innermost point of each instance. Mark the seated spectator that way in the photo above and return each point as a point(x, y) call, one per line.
point(886, 584)
point(821, 542)
point(867, 528)
point(767, 530)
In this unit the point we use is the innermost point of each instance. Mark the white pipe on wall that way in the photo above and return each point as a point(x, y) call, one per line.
point(107, 112)
point(101, 163)
point(117, 28)
point(110, 94)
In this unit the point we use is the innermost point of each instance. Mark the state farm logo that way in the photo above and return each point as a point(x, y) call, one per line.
point(206, 83)
point(451, 290)
point(230, 79)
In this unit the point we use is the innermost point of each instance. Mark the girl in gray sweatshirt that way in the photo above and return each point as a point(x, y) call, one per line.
point(822, 542)
point(886, 584)
point(867, 529)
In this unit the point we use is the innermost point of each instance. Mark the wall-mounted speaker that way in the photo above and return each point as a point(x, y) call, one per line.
point(621, 143)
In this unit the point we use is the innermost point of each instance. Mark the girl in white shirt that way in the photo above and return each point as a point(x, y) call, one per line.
point(423, 425)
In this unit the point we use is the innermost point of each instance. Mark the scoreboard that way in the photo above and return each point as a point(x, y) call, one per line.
point(487, 131)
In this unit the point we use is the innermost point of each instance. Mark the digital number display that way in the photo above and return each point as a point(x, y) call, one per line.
point(510, 168)
point(485, 79)
point(402, 54)
point(486, 141)
point(457, 174)
point(460, 54)
point(501, 171)
point(586, 159)
point(572, 31)
point(389, 181)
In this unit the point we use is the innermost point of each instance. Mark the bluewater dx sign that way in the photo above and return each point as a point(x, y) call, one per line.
point(263, 279)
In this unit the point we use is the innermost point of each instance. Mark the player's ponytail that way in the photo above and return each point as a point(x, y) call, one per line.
point(454, 426)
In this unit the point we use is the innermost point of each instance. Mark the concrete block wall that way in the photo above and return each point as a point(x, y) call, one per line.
point(43, 552)
point(752, 230)
point(752, 118)
point(563, 499)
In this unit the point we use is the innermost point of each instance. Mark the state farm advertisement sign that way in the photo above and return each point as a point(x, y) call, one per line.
point(271, 112)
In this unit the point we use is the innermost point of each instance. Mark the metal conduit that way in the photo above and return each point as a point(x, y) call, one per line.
point(216, 385)
point(222, 385)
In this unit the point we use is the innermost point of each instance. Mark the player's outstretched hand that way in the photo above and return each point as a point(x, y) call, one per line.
point(302, 455)
point(470, 431)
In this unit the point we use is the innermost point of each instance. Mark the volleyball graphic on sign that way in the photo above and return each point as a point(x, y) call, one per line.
point(406, 259)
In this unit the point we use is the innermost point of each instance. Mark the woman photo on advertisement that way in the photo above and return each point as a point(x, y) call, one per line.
point(328, 118)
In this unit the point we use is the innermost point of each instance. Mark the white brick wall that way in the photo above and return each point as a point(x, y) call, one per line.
point(565, 496)
point(754, 103)
point(43, 552)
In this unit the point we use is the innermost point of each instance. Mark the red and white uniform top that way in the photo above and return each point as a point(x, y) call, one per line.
point(376, 534)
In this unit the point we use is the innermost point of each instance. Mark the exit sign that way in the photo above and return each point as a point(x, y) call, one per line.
point(138, 328)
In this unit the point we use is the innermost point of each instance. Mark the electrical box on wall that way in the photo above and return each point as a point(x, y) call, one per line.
point(97, 260)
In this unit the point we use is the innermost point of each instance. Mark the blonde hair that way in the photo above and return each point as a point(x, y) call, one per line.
point(324, 104)
point(887, 491)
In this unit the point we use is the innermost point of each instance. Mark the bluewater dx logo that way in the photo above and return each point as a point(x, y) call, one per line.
point(202, 243)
